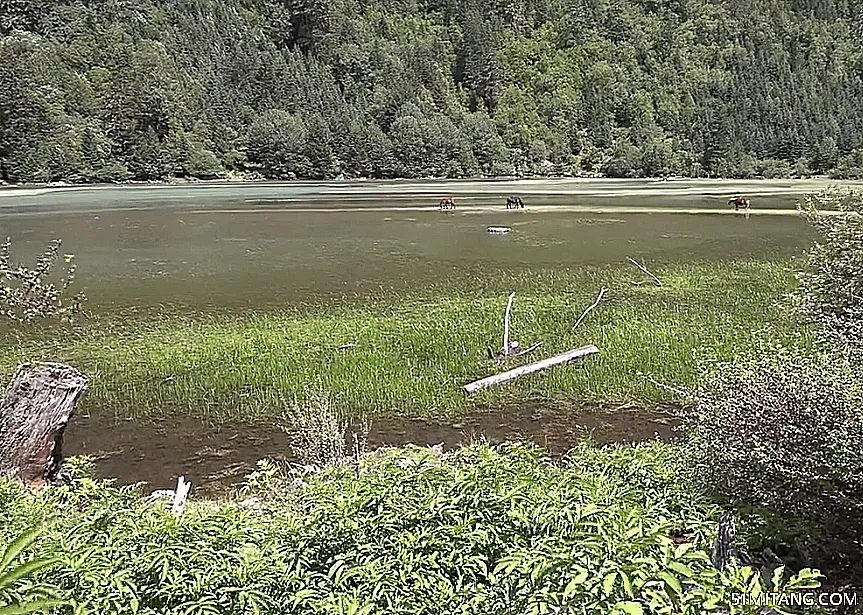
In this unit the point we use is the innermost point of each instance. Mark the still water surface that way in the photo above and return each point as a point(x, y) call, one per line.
point(241, 245)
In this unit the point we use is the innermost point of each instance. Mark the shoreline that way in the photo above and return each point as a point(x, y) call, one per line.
point(217, 458)
point(190, 182)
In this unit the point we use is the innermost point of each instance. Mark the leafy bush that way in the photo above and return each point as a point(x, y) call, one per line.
point(26, 295)
point(19, 595)
point(783, 431)
point(782, 428)
point(406, 531)
point(831, 283)
point(774, 169)
point(850, 166)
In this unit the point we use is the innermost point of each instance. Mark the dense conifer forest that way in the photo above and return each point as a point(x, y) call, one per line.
point(116, 90)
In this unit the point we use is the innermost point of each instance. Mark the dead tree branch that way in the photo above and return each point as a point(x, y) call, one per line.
point(180, 496)
point(644, 269)
point(671, 389)
point(587, 311)
point(506, 347)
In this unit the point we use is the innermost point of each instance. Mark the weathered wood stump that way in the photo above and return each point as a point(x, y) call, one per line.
point(35, 409)
point(724, 551)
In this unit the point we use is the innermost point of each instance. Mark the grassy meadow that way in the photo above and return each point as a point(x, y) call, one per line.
point(413, 353)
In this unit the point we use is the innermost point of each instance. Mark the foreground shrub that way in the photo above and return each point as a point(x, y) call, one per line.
point(409, 531)
point(831, 283)
point(26, 294)
point(784, 431)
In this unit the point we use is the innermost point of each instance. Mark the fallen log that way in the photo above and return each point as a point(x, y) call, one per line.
point(35, 409)
point(512, 374)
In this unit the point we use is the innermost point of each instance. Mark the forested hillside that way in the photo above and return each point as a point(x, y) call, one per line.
point(112, 90)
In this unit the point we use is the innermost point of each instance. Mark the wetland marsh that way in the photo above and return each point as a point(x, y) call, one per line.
point(222, 304)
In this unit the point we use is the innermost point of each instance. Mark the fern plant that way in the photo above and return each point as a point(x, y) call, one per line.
point(19, 595)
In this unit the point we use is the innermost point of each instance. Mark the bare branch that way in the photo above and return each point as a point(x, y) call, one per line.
point(671, 389)
point(180, 496)
point(585, 313)
point(506, 348)
point(644, 269)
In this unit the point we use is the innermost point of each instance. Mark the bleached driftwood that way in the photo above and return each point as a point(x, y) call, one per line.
point(516, 351)
point(671, 389)
point(524, 351)
point(644, 269)
point(160, 494)
point(588, 310)
point(180, 496)
point(512, 374)
point(506, 347)
point(510, 348)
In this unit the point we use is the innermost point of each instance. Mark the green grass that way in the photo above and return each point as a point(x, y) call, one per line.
point(481, 530)
point(413, 355)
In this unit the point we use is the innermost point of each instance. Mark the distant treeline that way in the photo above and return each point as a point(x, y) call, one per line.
point(114, 90)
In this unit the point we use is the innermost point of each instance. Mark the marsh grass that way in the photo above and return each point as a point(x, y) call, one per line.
point(412, 355)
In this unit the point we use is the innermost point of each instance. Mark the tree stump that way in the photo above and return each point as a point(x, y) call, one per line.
point(724, 551)
point(38, 404)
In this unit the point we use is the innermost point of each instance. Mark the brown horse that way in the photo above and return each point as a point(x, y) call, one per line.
point(514, 202)
point(447, 203)
point(739, 202)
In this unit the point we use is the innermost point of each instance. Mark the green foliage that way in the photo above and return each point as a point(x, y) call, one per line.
point(831, 283)
point(102, 91)
point(278, 142)
point(26, 295)
point(782, 430)
point(850, 166)
point(406, 531)
point(19, 594)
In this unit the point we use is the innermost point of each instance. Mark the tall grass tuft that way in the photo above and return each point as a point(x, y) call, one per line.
point(316, 434)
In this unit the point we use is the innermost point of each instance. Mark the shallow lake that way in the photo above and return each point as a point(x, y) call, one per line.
point(234, 246)
point(228, 246)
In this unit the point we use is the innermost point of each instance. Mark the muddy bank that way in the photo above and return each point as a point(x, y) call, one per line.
point(215, 458)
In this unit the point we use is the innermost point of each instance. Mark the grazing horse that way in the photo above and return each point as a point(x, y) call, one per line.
point(514, 202)
point(739, 202)
point(447, 203)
